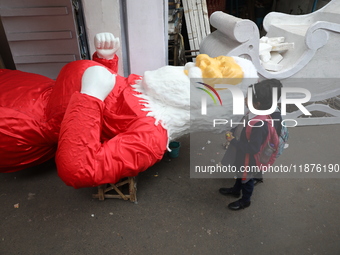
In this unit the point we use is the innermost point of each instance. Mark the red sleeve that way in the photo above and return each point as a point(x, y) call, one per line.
point(109, 63)
point(83, 161)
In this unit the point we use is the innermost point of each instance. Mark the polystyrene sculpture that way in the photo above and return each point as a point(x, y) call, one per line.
point(99, 126)
point(314, 57)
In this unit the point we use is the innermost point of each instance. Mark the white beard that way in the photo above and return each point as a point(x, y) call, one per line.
point(166, 93)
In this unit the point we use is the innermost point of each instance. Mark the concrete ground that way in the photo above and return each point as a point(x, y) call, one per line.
point(176, 214)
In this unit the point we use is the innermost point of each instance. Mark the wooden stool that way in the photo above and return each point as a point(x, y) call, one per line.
point(103, 190)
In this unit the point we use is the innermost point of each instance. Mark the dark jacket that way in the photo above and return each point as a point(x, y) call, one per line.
point(243, 146)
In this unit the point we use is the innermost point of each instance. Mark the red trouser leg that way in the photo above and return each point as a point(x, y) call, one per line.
point(83, 161)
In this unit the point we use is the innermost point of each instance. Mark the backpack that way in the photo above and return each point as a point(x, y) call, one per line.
point(269, 149)
point(282, 140)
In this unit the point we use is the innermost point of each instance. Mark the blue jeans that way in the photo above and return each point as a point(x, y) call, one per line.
point(247, 188)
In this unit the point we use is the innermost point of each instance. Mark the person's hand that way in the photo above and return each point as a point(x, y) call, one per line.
point(98, 82)
point(106, 45)
point(229, 136)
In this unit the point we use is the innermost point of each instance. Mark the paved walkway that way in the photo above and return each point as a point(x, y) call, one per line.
point(176, 214)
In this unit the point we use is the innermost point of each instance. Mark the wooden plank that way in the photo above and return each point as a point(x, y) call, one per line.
point(101, 192)
point(104, 189)
point(120, 193)
point(198, 27)
point(188, 23)
point(205, 17)
point(202, 27)
point(34, 36)
point(41, 11)
point(195, 26)
point(133, 189)
point(43, 59)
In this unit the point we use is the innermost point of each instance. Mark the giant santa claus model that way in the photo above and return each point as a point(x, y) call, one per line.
point(99, 126)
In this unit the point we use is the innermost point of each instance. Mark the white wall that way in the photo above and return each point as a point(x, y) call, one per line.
point(145, 30)
point(146, 35)
point(103, 16)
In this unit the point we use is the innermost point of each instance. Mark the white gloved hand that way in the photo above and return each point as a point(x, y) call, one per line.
point(106, 45)
point(98, 82)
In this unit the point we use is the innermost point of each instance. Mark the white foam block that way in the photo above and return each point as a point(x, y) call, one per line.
point(283, 47)
point(271, 66)
point(266, 56)
point(264, 47)
point(275, 40)
point(275, 57)
point(263, 39)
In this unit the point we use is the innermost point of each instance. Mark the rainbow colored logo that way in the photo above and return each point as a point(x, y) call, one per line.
point(208, 89)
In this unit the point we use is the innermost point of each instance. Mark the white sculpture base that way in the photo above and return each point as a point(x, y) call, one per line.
point(313, 63)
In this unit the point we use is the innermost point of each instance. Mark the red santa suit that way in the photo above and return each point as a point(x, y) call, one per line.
point(94, 142)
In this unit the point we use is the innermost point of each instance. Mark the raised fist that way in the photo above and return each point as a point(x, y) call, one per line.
point(106, 45)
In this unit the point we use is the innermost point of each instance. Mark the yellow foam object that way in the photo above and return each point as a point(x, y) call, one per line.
point(219, 67)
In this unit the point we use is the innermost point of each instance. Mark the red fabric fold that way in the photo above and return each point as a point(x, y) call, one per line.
point(24, 139)
point(99, 142)
point(83, 161)
point(109, 63)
